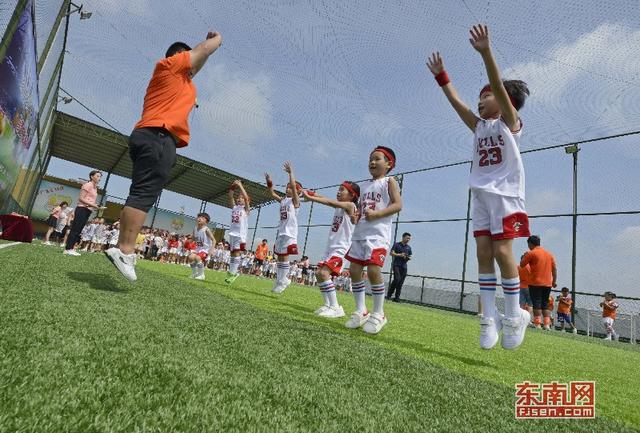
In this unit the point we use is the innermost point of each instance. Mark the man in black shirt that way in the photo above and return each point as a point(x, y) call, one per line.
point(401, 253)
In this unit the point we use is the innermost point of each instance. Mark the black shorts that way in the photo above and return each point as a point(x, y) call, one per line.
point(52, 221)
point(539, 296)
point(153, 153)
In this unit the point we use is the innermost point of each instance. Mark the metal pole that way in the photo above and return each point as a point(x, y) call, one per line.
point(204, 206)
point(466, 247)
point(422, 292)
point(306, 236)
point(575, 231)
point(155, 211)
point(255, 229)
point(106, 184)
point(395, 235)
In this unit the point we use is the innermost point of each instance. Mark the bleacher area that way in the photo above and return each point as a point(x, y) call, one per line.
point(85, 351)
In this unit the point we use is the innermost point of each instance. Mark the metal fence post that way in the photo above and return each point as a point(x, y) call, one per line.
point(255, 229)
point(306, 236)
point(422, 291)
point(573, 150)
point(466, 247)
point(155, 211)
point(395, 235)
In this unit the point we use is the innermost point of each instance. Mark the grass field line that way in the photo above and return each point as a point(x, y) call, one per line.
point(9, 245)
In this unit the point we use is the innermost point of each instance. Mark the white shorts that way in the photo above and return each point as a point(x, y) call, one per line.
point(286, 245)
point(607, 322)
point(237, 244)
point(173, 251)
point(499, 216)
point(368, 252)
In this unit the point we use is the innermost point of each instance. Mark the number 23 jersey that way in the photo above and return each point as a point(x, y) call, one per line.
point(497, 164)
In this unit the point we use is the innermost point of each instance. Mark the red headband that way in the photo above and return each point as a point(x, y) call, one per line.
point(298, 186)
point(487, 88)
point(350, 189)
point(387, 154)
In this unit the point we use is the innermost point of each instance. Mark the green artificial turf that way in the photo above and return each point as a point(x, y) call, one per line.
point(81, 350)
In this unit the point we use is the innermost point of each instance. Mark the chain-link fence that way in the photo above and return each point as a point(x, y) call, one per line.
point(582, 200)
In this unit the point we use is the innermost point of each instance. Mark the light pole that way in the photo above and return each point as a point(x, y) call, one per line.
point(573, 151)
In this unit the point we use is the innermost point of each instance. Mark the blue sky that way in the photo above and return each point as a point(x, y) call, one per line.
point(321, 83)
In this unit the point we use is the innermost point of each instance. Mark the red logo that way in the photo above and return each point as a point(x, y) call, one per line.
point(555, 400)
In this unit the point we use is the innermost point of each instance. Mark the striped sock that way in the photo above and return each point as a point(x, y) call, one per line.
point(511, 290)
point(282, 272)
point(377, 290)
point(358, 296)
point(327, 287)
point(488, 294)
point(233, 265)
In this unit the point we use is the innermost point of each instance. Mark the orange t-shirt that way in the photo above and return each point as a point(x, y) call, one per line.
point(261, 251)
point(541, 263)
point(609, 309)
point(170, 97)
point(564, 304)
point(525, 274)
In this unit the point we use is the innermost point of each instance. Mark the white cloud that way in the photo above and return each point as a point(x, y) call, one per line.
point(547, 201)
point(378, 125)
point(236, 110)
point(626, 242)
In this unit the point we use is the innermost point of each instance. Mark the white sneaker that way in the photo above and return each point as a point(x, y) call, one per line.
point(321, 310)
point(489, 328)
point(575, 330)
point(546, 328)
point(71, 253)
point(357, 319)
point(47, 243)
point(608, 337)
point(125, 263)
point(278, 288)
point(199, 277)
point(332, 312)
point(513, 330)
point(374, 324)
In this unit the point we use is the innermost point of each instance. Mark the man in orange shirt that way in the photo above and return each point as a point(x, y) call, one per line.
point(261, 254)
point(170, 97)
point(543, 276)
point(525, 297)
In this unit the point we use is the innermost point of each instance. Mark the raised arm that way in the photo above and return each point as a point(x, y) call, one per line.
point(436, 66)
point(247, 205)
point(480, 41)
point(346, 205)
point(295, 197)
point(232, 201)
point(269, 181)
point(200, 54)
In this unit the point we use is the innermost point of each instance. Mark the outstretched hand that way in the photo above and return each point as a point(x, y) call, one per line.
point(288, 167)
point(480, 38)
point(435, 63)
point(267, 177)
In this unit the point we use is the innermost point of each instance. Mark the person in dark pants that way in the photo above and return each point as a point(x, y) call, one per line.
point(86, 205)
point(164, 126)
point(401, 253)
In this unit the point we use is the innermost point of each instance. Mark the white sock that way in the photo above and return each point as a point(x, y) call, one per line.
point(511, 290)
point(325, 286)
point(193, 269)
point(233, 265)
point(359, 296)
point(377, 290)
point(333, 298)
point(282, 272)
point(200, 268)
point(488, 294)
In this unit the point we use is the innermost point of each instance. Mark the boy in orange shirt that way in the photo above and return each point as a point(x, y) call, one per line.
point(609, 308)
point(564, 310)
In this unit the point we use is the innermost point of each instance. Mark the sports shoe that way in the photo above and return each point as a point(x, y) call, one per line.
point(125, 263)
point(546, 328)
point(489, 328)
point(231, 278)
point(199, 277)
point(608, 337)
point(320, 310)
point(575, 330)
point(374, 324)
point(71, 253)
point(332, 312)
point(278, 288)
point(513, 330)
point(47, 243)
point(357, 319)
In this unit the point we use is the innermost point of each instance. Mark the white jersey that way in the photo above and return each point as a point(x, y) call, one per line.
point(374, 195)
point(239, 223)
point(497, 164)
point(288, 225)
point(203, 243)
point(340, 234)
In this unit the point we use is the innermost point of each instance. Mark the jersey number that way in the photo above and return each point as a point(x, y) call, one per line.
point(336, 224)
point(283, 215)
point(491, 156)
point(235, 219)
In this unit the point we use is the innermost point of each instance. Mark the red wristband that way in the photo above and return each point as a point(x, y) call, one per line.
point(442, 78)
point(269, 184)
